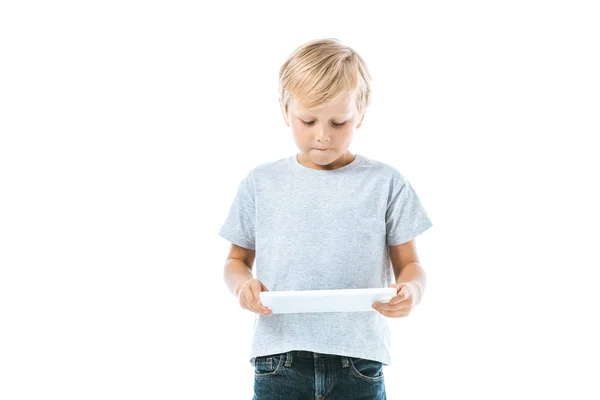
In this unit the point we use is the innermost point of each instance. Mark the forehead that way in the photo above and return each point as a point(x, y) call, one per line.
point(342, 105)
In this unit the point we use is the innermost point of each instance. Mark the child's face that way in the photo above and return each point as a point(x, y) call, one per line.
point(324, 131)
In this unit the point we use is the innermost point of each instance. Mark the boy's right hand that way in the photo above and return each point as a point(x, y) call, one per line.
point(249, 297)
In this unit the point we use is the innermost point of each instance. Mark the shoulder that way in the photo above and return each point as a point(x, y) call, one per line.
point(262, 168)
point(269, 167)
point(267, 172)
point(388, 172)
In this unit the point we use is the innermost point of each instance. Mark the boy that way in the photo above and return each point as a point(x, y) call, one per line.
point(324, 218)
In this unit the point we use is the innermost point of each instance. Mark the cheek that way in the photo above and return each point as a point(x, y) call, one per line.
point(302, 132)
point(299, 130)
point(302, 136)
point(346, 134)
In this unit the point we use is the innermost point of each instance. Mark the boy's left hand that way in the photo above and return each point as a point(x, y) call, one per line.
point(400, 305)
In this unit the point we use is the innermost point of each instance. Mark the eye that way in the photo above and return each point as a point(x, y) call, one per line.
point(312, 122)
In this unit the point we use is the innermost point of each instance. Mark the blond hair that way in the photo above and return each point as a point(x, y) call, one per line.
point(321, 70)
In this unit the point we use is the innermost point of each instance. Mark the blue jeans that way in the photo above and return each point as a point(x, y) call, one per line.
point(305, 375)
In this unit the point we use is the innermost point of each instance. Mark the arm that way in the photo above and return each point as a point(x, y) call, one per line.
point(407, 267)
point(238, 267)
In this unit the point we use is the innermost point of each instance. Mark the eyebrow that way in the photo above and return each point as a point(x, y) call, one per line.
point(340, 116)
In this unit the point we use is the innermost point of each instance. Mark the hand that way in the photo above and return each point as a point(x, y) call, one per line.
point(400, 305)
point(249, 297)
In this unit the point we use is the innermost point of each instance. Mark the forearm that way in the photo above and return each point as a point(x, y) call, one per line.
point(236, 274)
point(414, 273)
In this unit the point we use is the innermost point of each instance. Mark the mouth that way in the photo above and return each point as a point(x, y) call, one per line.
point(321, 149)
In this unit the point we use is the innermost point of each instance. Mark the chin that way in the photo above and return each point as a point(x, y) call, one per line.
point(326, 158)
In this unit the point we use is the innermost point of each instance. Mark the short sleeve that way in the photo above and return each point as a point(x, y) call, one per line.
point(405, 217)
point(240, 223)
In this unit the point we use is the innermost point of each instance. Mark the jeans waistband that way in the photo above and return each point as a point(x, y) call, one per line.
point(290, 355)
point(312, 354)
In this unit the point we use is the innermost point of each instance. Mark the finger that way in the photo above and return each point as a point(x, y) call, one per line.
point(263, 308)
point(252, 298)
point(381, 303)
point(393, 301)
point(392, 307)
point(398, 299)
point(256, 298)
point(406, 303)
point(401, 296)
point(253, 302)
point(247, 302)
point(259, 305)
point(394, 314)
point(398, 314)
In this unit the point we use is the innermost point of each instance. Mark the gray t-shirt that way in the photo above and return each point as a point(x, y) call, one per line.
point(324, 229)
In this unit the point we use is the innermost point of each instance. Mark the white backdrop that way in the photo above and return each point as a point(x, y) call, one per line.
point(127, 126)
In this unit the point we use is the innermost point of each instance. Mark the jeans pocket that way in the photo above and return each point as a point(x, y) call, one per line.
point(271, 365)
point(369, 370)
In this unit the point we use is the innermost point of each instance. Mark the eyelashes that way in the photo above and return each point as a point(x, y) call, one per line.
point(333, 123)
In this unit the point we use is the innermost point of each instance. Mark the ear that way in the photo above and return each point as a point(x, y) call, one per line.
point(283, 112)
point(361, 119)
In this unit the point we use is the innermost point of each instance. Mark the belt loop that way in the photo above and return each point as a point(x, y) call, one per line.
point(345, 362)
point(288, 358)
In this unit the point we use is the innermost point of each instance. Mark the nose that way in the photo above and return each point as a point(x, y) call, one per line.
point(321, 137)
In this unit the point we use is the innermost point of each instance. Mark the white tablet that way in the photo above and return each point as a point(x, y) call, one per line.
point(339, 300)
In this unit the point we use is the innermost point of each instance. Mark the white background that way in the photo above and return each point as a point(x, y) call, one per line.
point(126, 128)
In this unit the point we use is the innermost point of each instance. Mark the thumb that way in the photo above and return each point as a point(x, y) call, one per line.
point(263, 288)
point(401, 289)
point(400, 294)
